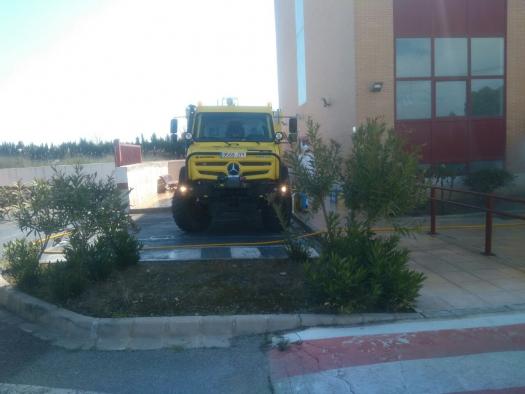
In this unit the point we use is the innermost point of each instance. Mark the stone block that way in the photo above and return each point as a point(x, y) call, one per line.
point(251, 324)
point(113, 334)
point(313, 320)
point(217, 326)
point(283, 322)
point(148, 333)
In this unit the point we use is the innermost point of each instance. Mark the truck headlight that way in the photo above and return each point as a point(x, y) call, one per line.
point(284, 189)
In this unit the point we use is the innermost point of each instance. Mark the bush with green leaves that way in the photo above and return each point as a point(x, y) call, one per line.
point(315, 172)
point(122, 246)
point(95, 216)
point(380, 179)
point(65, 279)
point(22, 256)
point(488, 180)
point(358, 271)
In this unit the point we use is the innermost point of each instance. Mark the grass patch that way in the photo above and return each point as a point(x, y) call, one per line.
point(207, 288)
point(18, 162)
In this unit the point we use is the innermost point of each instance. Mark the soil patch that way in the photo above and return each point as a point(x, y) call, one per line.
point(207, 288)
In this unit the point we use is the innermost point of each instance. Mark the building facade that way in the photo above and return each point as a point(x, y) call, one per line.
point(449, 75)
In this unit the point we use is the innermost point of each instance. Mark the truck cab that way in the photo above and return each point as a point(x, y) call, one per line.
point(234, 161)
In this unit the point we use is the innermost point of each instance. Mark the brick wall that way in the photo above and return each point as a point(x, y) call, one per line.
point(516, 85)
point(374, 49)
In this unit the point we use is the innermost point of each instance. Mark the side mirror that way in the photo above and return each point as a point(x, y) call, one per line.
point(174, 126)
point(292, 130)
point(292, 126)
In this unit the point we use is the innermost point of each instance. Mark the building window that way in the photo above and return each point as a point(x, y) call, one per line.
point(439, 90)
point(487, 56)
point(487, 97)
point(300, 51)
point(413, 100)
point(413, 57)
point(451, 98)
point(451, 57)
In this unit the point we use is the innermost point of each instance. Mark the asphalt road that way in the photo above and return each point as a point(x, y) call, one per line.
point(25, 360)
point(159, 229)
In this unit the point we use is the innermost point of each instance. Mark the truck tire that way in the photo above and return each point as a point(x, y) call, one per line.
point(189, 215)
point(270, 218)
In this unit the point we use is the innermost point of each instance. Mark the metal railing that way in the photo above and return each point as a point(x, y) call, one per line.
point(488, 209)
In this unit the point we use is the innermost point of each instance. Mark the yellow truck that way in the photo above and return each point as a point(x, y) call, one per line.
point(234, 161)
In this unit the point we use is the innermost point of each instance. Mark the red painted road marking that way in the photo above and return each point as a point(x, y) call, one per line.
point(512, 390)
point(343, 352)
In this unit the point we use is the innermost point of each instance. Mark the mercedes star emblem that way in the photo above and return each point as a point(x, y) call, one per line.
point(234, 169)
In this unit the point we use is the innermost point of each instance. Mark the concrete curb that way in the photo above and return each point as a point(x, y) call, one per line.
point(75, 331)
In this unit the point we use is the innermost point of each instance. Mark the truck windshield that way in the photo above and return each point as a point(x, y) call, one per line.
point(233, 126)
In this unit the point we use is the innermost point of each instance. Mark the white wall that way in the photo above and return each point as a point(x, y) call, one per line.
point(9, 176)
point(142, 180)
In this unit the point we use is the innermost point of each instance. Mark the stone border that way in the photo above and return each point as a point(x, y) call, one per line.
point(75, 331)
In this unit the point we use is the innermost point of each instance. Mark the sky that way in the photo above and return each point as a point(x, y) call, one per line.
point(106, 69)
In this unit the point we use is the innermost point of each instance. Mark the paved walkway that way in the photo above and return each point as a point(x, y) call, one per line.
point(475, 355)
point(462, 280)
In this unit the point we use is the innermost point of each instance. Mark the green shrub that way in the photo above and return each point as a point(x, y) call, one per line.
point(95, 215)
point(65, 280)
point(358, 271)
point(381, 179)
point(97, 259)
point(123, 246)
point(488, 180)
point(22, 262)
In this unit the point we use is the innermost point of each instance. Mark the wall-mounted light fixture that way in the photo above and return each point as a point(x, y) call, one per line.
point(376, 87)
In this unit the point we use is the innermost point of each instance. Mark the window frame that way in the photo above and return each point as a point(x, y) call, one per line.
point(467, 79)
point(300, 56)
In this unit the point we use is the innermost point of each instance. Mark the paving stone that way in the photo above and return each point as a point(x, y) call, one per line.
point(216, 253)
point(245, 253)
point(508, 284)
point(176, 255)
point(479, 287)
point(459, 277)
point(275, 252)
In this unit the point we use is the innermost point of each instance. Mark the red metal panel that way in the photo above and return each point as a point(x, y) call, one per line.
point(413, 17)
point(487, 139)
point(487, 17)
point(450, 18)
point(126, 154)
point(417, 133)
point(450, 141)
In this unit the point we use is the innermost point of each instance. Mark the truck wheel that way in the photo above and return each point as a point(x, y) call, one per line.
point(183, 175)
point(270, 218)
point(189, 215)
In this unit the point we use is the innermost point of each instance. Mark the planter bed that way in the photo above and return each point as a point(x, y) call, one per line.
point(197, 288)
